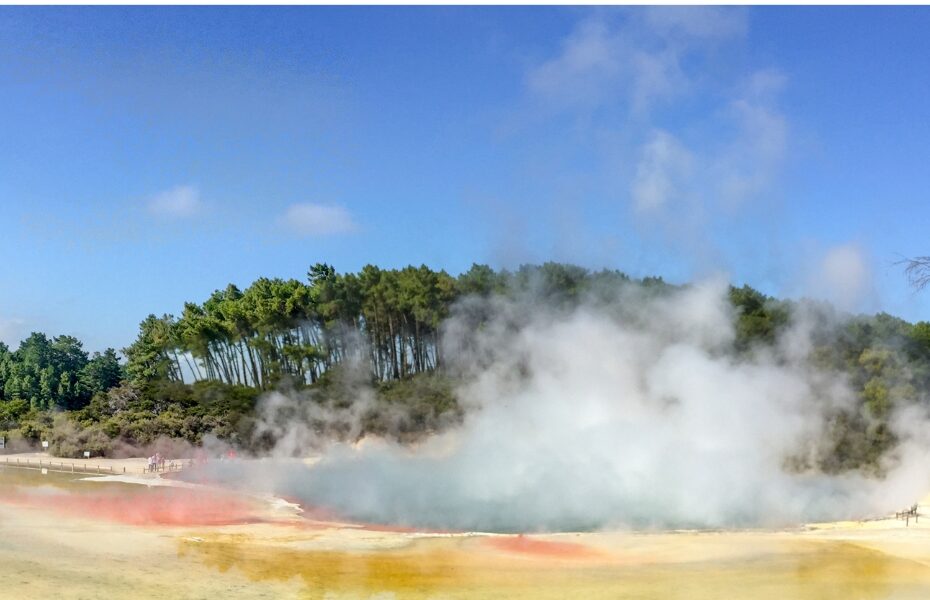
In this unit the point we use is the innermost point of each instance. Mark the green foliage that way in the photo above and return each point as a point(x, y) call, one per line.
point(759, 319)
point(102, 372)
point(481, 280)
point(150, 356)
point(34, 425)
point(411, 408)
point(68, 440)
point(169, 409)
point(55, 373)
point(202, 372)
point(280, 331)
point(11, 412)
point(855, 442)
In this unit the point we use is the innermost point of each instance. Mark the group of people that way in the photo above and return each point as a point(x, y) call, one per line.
point(156, 463)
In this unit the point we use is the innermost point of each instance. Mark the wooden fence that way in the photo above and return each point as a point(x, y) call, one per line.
point(907, 514)
point(71, 467)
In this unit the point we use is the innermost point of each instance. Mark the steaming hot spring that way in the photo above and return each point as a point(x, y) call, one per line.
point(597, 421)
point(598, 456)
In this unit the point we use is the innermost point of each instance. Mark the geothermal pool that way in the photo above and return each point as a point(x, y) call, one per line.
point(66, 537)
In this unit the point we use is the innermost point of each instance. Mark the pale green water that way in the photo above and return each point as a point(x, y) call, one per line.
point(47, 553)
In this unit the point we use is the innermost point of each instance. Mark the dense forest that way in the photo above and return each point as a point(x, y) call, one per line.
point(200, 373)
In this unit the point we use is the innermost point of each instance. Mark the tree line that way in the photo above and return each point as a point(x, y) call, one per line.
point(289, 330)
point(55, 373)
point(201, 372)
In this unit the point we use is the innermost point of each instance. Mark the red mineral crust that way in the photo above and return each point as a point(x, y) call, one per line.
point(521, 544)
point(160, 506)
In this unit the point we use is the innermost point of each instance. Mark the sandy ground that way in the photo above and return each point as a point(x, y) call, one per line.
point(90, 539)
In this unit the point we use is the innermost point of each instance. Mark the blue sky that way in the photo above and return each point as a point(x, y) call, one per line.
point(150, 155)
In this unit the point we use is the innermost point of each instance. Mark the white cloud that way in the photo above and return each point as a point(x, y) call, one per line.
point(760, 144)
point(180, 202)
point(617, 73)
point(723, 172)
point(589, 62)
point(666, 120)
point(663, 164)
point(699, 22)
point(766, 82)
point(318, 219)
point(655, 75)
point(636, 60)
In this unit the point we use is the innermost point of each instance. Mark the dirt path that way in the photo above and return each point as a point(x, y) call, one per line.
point(133, 466)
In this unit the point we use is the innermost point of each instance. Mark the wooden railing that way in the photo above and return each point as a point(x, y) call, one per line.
point(907, 514)
point(59, 466)
point(72, 467)
point(166, 467)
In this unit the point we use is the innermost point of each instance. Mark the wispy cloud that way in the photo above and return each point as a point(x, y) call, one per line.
point(318, 219)
point(663, 165)
point(632, 62)
point(647, 107)
point(748, 147)
point(12, 331)
point(696, 22)
point(181, 202)
point(758, 148)
point(585, 70)
point(630, 75)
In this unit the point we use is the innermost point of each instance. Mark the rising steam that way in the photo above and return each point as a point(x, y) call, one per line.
point(633, 413)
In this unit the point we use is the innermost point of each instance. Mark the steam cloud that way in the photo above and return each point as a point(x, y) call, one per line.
point(632, 413)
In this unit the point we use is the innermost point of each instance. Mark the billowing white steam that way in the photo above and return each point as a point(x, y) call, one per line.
point(590, 419)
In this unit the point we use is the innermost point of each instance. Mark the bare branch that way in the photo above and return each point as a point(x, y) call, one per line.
point(917, 270)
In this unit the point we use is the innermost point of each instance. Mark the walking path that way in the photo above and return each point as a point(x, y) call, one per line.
point(103, 466)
